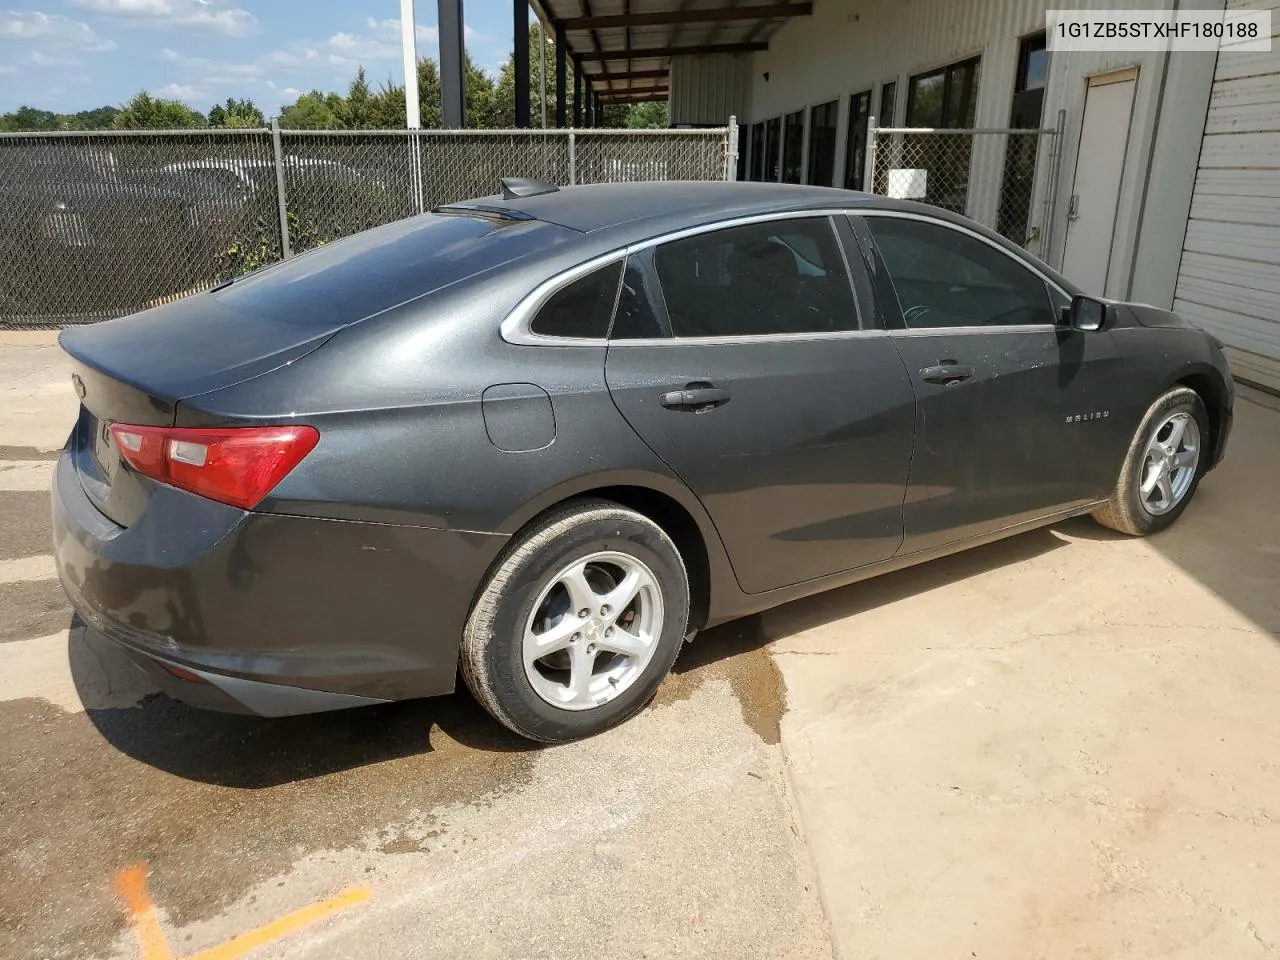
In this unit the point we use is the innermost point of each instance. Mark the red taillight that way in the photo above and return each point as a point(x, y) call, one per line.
point(235, 465)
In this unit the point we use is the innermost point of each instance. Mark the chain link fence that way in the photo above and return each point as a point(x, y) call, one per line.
point(99, 225)
point(1004, 179)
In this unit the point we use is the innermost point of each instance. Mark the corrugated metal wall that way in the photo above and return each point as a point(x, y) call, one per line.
point(707, 91)
point(1229, 278)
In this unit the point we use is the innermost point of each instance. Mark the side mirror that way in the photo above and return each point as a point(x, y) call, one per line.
point(1087, 313)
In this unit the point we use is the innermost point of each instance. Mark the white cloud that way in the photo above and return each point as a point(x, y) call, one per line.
point(48, 32)
point(46, 60)
point(380, 40)
point(209, 15)
point(180, 91)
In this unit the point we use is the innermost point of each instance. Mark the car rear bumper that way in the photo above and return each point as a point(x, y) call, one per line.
point(270, 614)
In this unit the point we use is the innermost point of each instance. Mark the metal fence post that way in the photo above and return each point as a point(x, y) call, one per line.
point(281, 200)
point(573, 161)
point(869, 164)
point(1051, 188)
point(731, 158)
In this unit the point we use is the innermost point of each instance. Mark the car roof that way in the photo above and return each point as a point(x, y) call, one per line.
point(645, 208)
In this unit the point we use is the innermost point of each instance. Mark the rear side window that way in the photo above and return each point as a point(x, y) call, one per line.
point(782, 276)
point(581, 308)
point(946, 278)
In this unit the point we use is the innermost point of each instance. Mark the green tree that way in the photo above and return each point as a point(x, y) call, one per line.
point(145, 112)
point(312, 111)
point(651, 116)
point(237, 114)
point(28, 118)
point(358, 110)
point(101, 118)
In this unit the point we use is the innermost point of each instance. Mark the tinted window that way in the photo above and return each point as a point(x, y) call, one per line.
point(581, 308)
point(856, 152)
point(784, 276)
point(351, 279)
point(945, 278)
point(793, 147)
point(772, 133)
point(822, 144)
point(888, 104)
point(639, 302)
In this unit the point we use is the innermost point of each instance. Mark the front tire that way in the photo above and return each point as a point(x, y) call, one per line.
point(578, 623)
point(1163, 467)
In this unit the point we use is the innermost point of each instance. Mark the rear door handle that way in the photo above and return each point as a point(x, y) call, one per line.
point(696, 397)
point(946, 372)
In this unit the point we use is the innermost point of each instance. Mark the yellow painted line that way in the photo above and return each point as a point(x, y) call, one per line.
point(290, 923)
point(131, 885)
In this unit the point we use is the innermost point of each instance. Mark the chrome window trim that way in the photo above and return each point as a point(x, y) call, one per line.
point(833, 335)
point(515, 327)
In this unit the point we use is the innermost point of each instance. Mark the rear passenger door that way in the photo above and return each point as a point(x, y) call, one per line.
point(737, 354)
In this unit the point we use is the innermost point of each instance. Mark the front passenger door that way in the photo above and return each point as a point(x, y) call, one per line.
point(997, 382)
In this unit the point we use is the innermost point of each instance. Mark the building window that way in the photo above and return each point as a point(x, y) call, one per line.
point(1025, 113)
point(793, 147)
point(772, 134)
point(822, 144)
point(888, 103)
point(855, 160)
point(757, 151)
point(946, 98)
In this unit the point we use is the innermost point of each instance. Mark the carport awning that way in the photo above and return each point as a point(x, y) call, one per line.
point(625, 46)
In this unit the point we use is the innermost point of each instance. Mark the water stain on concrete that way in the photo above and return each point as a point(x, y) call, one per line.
point(214, 803)
point(734, 652)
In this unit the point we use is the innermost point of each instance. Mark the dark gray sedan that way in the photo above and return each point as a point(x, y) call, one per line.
point(543, 438)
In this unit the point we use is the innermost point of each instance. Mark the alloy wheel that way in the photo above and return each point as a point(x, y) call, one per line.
point(592, 631)
point(1169, 463)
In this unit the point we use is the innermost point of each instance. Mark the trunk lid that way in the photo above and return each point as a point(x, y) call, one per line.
point(137, 369)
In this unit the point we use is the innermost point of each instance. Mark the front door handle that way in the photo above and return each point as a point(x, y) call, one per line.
point(695, 397)
point(946, 372)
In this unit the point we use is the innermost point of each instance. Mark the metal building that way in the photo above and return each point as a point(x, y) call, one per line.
point(1162, 186)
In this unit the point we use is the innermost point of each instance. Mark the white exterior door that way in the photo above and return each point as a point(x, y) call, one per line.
point(1095, 193)
point(1229, 278)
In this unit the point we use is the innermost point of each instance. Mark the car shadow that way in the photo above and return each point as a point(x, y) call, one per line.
point(254, 752)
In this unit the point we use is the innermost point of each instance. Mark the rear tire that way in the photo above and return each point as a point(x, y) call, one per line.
point(1162, 468)
point(578, 623)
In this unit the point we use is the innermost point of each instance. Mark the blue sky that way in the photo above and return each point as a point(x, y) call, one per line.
point(69, 55)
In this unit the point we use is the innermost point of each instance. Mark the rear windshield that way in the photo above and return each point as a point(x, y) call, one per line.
point(355, 278)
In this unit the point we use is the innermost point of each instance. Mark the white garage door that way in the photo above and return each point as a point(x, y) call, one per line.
point(1229, 281)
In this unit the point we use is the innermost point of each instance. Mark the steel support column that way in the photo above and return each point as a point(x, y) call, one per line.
point(577, 92)
point(561, 47)
point(453, 101)
point(520, 17)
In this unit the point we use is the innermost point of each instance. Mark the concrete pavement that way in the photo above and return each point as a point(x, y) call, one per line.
point(1062, 745)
